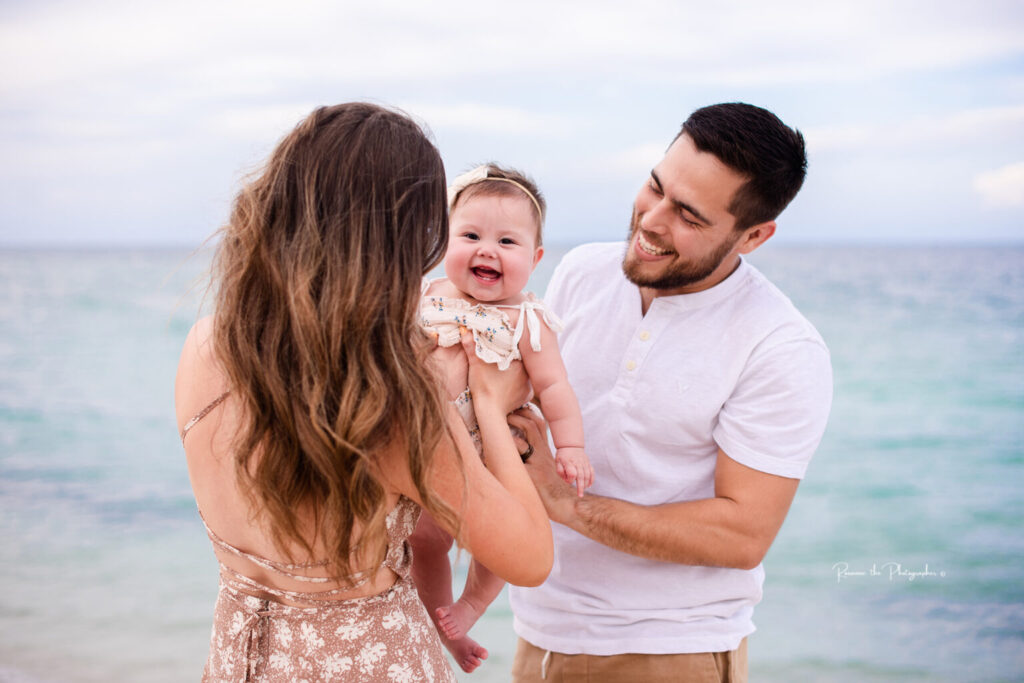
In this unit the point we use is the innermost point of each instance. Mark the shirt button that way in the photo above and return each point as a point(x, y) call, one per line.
point(645, 335)
point(631, 365)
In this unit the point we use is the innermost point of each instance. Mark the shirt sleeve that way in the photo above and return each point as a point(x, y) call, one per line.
point(559, 288)
point(776, 417)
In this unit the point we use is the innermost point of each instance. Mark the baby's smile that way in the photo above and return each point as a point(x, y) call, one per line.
point(486, 274)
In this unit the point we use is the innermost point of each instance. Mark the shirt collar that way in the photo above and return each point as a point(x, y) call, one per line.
point(709, 296)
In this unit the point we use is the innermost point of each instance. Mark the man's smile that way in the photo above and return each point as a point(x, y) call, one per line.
point(649, 248)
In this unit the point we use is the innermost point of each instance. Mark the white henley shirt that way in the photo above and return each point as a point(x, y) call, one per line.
point(735, 366)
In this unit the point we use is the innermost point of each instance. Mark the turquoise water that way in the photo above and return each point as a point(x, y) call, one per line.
point(108, 576)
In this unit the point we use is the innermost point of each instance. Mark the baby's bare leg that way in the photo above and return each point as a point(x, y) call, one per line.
point(432, 575)
point(482, 587)
point(430, 569)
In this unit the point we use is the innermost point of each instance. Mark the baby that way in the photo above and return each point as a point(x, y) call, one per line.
point(494, 244)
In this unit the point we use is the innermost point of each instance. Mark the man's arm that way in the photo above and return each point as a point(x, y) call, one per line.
point(733, 529)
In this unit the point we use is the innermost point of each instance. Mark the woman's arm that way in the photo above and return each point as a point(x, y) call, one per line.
point(503, 521)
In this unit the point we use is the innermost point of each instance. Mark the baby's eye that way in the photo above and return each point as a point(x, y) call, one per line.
point(471, 236)
point(507, 240)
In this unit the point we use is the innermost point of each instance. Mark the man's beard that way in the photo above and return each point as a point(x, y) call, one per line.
point(677, 274)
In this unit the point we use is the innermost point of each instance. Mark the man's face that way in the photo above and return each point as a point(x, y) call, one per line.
point(682, 237)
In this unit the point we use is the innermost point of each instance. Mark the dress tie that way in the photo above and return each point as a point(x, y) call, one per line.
point(253, 629)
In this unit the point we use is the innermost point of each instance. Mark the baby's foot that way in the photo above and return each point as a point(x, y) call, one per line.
point(456, 620)
point(453, 623)
point(468, 653)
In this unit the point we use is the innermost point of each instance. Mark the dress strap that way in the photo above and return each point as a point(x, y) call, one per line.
point(244, 584)
point(400, 522)
point(282, 568)
point(202, 413)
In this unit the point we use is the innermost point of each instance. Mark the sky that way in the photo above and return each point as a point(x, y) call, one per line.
point(130, 123)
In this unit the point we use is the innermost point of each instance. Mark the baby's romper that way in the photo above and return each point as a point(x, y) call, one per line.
point(496, 340)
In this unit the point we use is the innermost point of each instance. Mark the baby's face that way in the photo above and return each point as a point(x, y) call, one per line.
point(492, 247)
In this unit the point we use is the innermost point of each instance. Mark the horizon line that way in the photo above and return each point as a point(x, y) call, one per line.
point(559, 244)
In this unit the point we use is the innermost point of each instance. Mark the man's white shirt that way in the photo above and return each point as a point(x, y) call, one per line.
point(735, 366)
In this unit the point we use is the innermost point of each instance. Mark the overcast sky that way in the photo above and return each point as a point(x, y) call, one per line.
point(134, 122)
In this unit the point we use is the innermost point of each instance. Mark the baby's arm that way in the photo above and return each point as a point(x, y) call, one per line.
point(559, 405)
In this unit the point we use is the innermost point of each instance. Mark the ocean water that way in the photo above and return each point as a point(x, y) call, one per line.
point(902, 558)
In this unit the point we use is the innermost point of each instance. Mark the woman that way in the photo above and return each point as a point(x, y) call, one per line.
point(314, 429)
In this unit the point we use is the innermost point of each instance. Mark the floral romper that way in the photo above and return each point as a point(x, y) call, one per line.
point(496, 340)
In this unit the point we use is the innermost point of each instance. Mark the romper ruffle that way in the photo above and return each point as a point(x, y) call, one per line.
point(497, 341)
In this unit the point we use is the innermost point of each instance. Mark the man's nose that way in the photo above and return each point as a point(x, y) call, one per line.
point(653, 219)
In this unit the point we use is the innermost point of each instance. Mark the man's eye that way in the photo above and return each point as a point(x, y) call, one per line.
point(654, 188)
point(691, 223)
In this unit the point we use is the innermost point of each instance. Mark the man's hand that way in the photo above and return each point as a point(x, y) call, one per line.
point(558, 497)
point(733, 529)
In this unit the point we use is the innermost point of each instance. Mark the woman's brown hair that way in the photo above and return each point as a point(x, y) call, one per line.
point(319, 273)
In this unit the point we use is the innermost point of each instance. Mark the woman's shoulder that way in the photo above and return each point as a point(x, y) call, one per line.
point(202, 331)
point(198, 373)
point(198, 346)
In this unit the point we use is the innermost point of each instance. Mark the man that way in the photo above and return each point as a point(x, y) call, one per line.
point(704, 395)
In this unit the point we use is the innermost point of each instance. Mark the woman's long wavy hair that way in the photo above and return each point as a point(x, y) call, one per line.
point(319, 272)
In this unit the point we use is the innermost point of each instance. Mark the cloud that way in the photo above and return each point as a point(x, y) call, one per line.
point(258, 122)
point(629, 165)
point(727, 43)
point(955, 127)
point(487, 118)
point(1002, 187)
point(100, 98)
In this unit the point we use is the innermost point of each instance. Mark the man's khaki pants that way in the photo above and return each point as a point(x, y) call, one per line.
point(534, 665)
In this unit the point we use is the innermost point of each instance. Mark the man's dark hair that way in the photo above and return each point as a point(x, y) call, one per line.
point(756, 144)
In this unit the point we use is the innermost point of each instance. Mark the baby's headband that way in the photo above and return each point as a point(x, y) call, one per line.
point(479, 175)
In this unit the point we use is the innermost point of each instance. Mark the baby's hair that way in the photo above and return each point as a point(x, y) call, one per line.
point(504, 182)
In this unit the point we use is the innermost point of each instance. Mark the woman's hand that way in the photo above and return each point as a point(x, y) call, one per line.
point(505, 390)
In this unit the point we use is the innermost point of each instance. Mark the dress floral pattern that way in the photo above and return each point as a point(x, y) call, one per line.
point(386, 637)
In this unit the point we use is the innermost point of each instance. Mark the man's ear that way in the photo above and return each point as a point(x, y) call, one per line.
point(537, 256)
point(755, 236)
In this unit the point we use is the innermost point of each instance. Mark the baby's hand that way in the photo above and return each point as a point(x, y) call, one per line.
point(573, 465)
